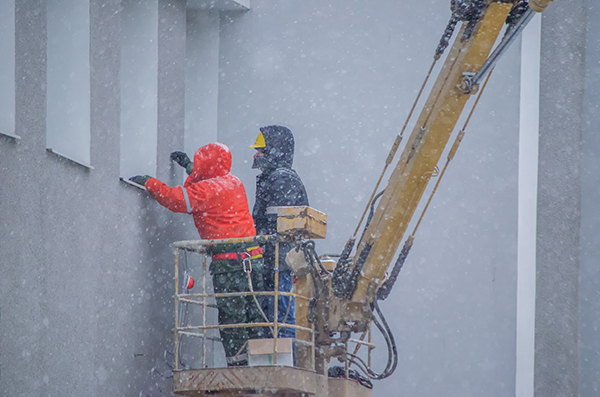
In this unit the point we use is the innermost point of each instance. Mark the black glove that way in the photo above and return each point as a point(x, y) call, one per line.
point(183, 160)
point(140, 179)
point(180, 158)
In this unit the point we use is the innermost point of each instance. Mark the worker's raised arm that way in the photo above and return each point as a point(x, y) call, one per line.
point(189, 198)
point(174, 199)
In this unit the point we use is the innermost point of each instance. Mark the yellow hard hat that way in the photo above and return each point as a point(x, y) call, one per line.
point(260, 142)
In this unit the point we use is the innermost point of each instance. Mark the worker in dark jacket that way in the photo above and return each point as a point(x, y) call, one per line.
point(217, 201)
point(277, 185)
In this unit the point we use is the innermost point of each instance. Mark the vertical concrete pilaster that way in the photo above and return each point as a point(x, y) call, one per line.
point(21, 193)
point(105, 66)
point(589, 301)
point(559, 200)
point(171, 86)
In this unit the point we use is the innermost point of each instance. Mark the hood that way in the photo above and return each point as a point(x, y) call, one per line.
point(279, 146)
point(211, 161)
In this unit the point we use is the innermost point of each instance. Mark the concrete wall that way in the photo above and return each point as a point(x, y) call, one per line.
point(87, 283)
point(557, 370)
point(589, 298)
point(567, 303)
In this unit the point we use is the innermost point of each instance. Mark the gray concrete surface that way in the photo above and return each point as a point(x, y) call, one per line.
point(589, 297)
point(559, 201)
point(87, 279)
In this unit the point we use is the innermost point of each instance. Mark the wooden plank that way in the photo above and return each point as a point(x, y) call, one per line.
point(302, 220)
point(339, 387)
point(238, 380)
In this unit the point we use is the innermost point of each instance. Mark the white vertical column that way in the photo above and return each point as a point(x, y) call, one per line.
point(68, 79)
point(201, 78)
point(7, 67)
point(139, 87)
point(527, 206)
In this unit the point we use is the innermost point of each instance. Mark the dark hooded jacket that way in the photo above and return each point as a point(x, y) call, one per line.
point(216, 198)
point(278, 185)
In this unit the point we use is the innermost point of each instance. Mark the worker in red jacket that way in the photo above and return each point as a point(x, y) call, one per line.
point(217, 201)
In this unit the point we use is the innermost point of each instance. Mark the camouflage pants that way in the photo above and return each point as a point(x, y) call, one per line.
point(229, 276)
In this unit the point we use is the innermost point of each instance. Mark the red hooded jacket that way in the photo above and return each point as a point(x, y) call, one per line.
point(215, 198)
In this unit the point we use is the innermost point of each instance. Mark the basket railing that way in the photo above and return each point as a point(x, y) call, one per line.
point(184, 298)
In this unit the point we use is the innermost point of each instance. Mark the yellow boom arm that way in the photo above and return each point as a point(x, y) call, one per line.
point(423, 151)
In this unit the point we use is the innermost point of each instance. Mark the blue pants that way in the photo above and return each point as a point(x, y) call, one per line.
point(285, 305)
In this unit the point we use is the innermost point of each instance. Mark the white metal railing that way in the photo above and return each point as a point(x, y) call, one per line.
point(182, 299)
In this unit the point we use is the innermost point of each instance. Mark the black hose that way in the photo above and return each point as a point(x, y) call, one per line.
point(309, 251)
point(308, 248)
point(371, 212)
point(386, 332)
point(390, 335)
point(340, 273)
point(445, 39)
point(344, 284)
point(515, 14)
point(384, 290)
point(343, 280)
point(389, 349)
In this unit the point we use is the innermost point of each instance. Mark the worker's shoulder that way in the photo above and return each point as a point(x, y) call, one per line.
point(227, 181)
point(284, 173)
